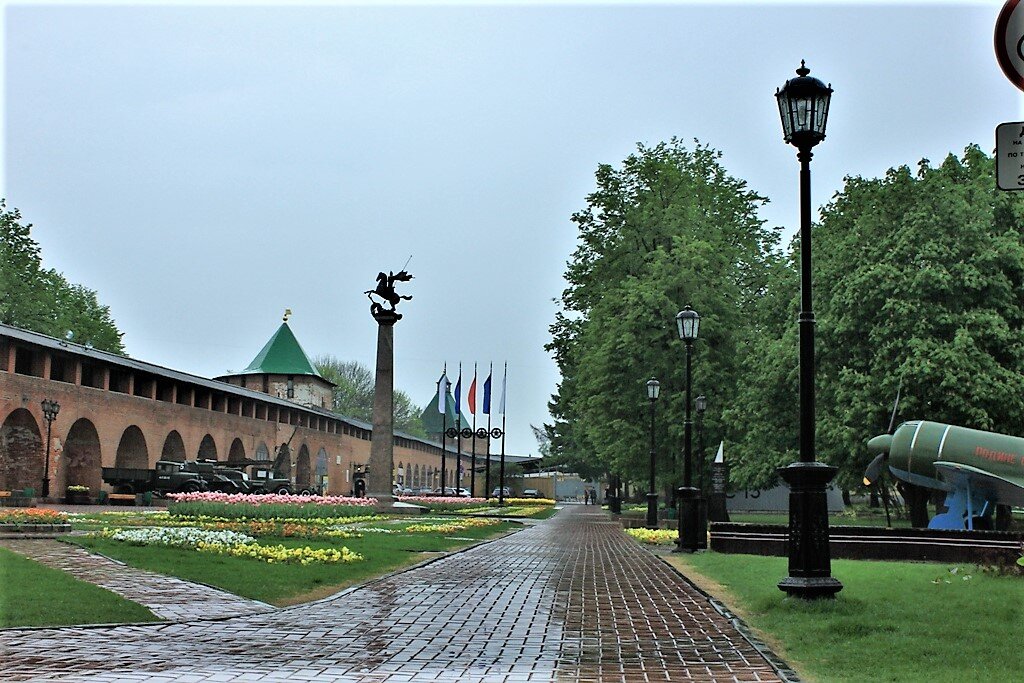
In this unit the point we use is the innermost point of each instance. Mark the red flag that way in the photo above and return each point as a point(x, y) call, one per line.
point(472, 395)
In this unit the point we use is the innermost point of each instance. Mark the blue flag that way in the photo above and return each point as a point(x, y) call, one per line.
point(458, 397)
point(487, 395)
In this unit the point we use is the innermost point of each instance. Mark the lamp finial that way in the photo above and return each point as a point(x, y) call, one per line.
point(803, 70)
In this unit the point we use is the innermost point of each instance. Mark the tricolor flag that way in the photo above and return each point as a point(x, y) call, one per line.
point(487, 395)
point(472, 394)
point(442, 391)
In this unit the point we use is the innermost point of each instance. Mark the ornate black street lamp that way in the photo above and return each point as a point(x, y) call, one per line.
point(653, 391)
point(50, 410)
point(803, 106)
point(688, 497)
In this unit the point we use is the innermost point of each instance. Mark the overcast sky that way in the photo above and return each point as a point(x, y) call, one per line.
point(203, 168)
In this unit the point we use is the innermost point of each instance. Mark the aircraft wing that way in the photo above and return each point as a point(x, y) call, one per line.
point(994, 488)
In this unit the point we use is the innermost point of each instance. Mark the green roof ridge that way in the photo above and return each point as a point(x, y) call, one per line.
point(282, 355)
point(431, 417)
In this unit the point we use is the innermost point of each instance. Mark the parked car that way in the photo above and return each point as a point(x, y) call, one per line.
point(464, 493)
point(530, 493)
point(502, 491)
point(449, 491)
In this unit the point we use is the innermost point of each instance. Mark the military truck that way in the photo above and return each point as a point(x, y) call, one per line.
point(167, 477)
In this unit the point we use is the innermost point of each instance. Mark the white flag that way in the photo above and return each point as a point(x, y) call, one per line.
point(504, 383)
point(442, 391)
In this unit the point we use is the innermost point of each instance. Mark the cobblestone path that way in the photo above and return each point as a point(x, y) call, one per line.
point(570, 599)
point(166, 597)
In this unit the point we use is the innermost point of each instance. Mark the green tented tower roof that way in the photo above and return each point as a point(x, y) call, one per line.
point(431, 417)
point(282, 355)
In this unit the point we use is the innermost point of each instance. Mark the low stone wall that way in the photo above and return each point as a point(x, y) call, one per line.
point(20, 530)
point(876, 543)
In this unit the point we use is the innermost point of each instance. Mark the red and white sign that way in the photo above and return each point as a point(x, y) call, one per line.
point(1009, 41)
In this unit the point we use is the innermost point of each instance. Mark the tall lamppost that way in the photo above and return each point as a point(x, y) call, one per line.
point(688, 497)
point(700, 404)
point(653, 391)
point(803, 106)
point(50, 410)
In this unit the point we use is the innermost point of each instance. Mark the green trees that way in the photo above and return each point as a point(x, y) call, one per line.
point(43, 300)
point(353, 394)
point(668, 228)
point(918, 277)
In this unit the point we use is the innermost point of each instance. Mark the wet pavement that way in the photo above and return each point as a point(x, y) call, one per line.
point(166, 597)
point(569, 599)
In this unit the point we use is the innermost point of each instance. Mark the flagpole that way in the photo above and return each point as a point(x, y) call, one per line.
point(487, 470)
point(504, 386)
point(472, 466)
point(458, 433)
point(444, 420)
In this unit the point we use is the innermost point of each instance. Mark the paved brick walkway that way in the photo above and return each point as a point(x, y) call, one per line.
point(570, 599)
point(166, 597)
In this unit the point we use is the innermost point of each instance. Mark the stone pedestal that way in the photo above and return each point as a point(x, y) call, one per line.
point(382, 444)
point(810, 564)
point(717, 510)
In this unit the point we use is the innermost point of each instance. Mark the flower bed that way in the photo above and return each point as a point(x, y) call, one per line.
point(443, 503)
point(271, 499)
point(654, 536)
point(451, 527)
point(33, 520)
point(270, 506)
point(523, 501)
point(226, 542)
point(31, 516)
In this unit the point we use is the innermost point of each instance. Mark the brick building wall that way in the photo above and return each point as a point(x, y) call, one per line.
point(121, 412)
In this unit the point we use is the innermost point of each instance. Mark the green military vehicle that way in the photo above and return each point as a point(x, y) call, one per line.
point(167, 477)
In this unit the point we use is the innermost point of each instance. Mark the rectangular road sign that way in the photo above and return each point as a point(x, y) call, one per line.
point(1010, 156)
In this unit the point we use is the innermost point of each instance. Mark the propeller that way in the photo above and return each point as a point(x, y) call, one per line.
point(881, 444)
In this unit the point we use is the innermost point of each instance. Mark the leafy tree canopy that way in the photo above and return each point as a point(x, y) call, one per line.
point(668, 228)
point(42, 300)
point(353, 394)
point(919, 279)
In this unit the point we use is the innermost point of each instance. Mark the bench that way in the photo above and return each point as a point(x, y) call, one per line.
point(16, 498)
point(121, 498)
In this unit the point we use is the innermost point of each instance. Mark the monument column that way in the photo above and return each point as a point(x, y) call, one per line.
point(382, 443)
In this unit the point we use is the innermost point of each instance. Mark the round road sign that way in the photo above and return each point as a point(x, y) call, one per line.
point(1009, 41)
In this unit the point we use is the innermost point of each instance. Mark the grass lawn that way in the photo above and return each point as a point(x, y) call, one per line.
point(833, 520)
point(288, 584)
point(891, 622)
point(36, 595)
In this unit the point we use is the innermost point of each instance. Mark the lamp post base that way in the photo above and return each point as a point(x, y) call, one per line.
point(615, 505)
point(693, 530)
point(810, 565)
point(652, 510)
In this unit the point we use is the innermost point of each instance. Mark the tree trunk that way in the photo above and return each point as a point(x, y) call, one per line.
point(1004, 517)
point(917, 503)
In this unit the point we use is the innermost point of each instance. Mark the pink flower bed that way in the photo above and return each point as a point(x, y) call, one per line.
point(456, 500)
point(269, 499)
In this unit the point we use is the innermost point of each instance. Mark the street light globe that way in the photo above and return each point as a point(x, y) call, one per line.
point(653, 389)
point(702, 403)
point(688, 323)
point(803, 106)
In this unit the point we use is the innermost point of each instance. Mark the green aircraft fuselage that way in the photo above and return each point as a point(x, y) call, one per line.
point(919, 450)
